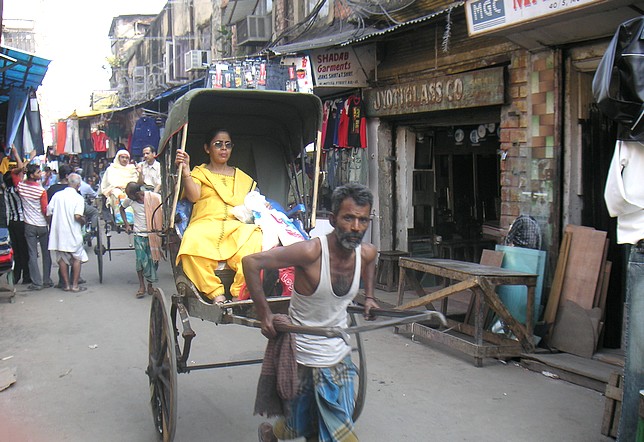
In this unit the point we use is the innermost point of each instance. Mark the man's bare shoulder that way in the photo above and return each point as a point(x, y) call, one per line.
point(368, 251)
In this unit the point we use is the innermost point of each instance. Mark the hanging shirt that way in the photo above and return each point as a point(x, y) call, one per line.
point(624, 193)
point(99, 138)
point(146, 133)
point(357, 127)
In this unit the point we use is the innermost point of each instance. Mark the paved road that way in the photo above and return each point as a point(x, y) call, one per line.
point(67, 391)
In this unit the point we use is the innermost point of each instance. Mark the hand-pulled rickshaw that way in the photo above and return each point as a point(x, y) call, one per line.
point(271, 130)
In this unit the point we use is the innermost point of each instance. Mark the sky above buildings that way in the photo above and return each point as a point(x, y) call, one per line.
point(73, 34)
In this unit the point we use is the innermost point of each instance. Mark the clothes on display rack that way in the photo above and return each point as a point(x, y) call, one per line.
point(72, 140)
point(99, 140)
point(146, 133)
point(344, 123)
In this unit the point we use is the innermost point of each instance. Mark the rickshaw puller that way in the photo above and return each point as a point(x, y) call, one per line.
point(327, 278)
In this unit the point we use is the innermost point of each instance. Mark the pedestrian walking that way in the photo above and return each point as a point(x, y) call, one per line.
point(147, 244)
point(34, 205)
point(66, 210)
point(327, 278)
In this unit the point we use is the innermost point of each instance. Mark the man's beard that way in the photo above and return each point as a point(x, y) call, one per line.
point(349, 240)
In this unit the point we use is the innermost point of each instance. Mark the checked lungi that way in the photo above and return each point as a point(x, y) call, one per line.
point(323, 406)
point(144, 261)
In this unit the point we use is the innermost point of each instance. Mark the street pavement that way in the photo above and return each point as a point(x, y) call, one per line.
point(80, 361)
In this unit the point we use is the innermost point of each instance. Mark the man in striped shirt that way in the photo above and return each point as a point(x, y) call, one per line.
point(34, 205)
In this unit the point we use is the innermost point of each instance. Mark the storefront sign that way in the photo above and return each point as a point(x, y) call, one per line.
point(343, 67)
point(492, 15)
point(471, 89)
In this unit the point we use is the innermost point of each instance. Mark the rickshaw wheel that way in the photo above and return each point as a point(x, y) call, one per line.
point(99, 250)
point(361, 366)
point(162, 369)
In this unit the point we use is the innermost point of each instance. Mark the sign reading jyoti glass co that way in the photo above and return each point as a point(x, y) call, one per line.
point(493, 15)
point(343, 67)
point(469, 89)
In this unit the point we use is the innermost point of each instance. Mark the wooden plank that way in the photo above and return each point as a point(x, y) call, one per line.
point(602, 274)
point(424, 300)
point(583, 266)
point(567, 376)
point(557, 283)
point(604, 292)
point(588, 368)
point(612, 405)
point(573, 331)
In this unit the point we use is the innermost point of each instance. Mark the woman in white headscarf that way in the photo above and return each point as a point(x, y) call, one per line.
point(116, 178)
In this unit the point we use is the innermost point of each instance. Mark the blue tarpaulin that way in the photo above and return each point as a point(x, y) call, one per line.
point(20, 74)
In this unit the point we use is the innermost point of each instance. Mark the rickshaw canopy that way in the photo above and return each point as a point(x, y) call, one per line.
point(269, 129)
point(288, 119)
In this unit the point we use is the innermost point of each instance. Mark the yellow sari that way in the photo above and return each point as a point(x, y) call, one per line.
point(214, 234)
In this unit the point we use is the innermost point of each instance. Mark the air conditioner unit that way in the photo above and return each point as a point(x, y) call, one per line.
point(196, 60)
point(254, 29)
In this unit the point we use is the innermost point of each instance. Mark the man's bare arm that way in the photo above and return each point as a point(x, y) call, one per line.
point(301, 254)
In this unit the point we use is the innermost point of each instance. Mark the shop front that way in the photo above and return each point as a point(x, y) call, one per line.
point(445, 148)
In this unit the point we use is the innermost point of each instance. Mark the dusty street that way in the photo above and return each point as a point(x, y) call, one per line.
point(81, 360)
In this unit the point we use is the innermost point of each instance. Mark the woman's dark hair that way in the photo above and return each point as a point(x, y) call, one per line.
point(357, 192)
point(211, 134)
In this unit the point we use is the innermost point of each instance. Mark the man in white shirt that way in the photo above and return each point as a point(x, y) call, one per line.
point(150, 170)
point(66, 210)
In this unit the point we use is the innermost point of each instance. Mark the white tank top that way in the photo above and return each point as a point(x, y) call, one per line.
point(323, 309)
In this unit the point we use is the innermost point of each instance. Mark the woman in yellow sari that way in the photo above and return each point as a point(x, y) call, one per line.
point(214, 234)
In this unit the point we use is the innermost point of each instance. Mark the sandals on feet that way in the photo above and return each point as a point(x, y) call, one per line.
point(77, 289)
point(140, 294)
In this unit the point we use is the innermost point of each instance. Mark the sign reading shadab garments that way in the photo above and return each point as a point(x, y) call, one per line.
point(343, 67)
point(470, 89)
point(493, 15)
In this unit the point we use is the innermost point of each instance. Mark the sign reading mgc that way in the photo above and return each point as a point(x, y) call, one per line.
point(493, 15)
point(486, 14)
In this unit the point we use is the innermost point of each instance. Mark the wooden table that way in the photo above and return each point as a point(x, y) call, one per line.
point(482, 280)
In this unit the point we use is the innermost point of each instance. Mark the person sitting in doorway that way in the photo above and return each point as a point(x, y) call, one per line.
point(214, 234)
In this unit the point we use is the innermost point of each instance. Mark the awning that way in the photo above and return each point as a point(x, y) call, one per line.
point(407, 23)
point(178, 91)
point(332, 36)
point(20, 70)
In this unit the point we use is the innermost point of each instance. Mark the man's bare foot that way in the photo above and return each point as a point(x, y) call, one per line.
point(140, 293)
point(150, 289)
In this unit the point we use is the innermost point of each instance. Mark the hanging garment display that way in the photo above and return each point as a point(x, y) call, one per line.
point(146, 133)
point(99, 140)
point(87, 146)
point(61, 137)
point(344, 123)
point(72, 142)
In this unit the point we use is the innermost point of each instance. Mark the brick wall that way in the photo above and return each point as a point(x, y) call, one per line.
point(528, 137)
